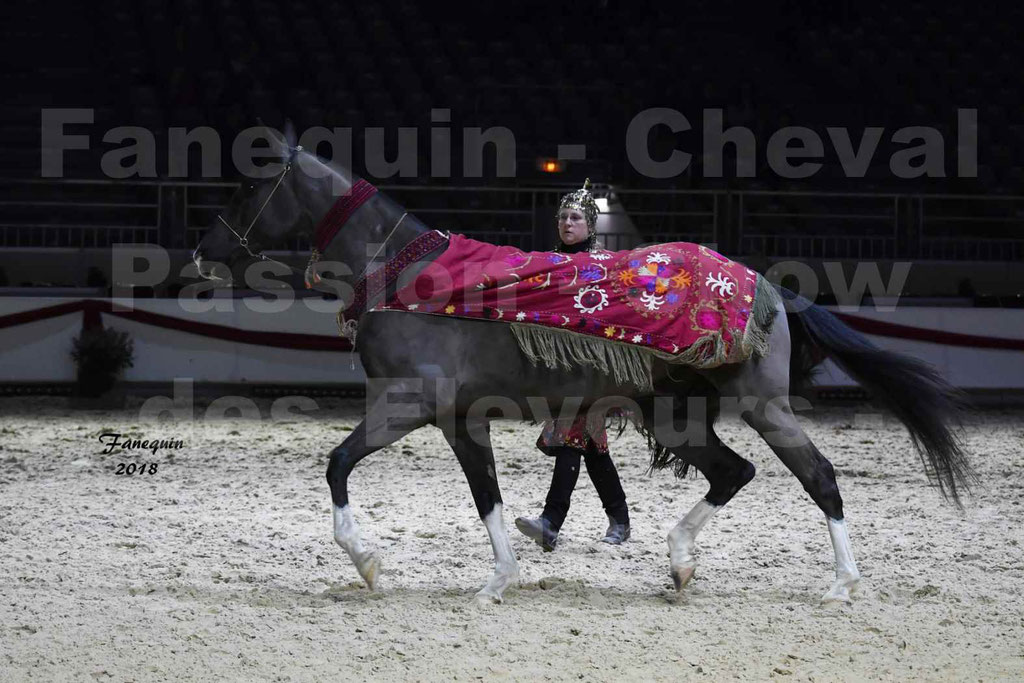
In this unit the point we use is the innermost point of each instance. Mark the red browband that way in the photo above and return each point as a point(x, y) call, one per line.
point(339, 214)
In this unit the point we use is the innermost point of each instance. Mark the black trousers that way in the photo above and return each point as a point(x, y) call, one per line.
point(567, 471)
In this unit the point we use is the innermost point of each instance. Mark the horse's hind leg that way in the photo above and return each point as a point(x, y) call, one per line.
point(779, 428)
point(762, 388)
point(471, 442)
point(725, 471)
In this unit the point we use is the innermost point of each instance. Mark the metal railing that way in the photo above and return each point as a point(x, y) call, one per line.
point(98, 213)
point(70, 213)
point(807, 246)
point(995, 223)
point(818, 224)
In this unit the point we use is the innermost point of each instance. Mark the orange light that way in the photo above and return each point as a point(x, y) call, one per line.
point(550, 166)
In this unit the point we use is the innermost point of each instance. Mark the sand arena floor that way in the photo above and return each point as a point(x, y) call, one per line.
point(221, 565)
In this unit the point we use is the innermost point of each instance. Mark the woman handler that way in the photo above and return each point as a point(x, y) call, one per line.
point(571, 440)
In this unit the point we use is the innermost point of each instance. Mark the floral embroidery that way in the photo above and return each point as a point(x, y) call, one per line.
point(658, 257)
point(721, 284)
point(659, 278)
point(652, 302)
point(681, 279)
point(591, 299)
point(538, 281)
point(517, 259)
point(593, 272)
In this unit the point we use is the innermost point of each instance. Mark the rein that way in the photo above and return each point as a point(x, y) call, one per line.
point(326, 230)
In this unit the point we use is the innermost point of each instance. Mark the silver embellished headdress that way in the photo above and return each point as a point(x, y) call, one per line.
point(583, 201)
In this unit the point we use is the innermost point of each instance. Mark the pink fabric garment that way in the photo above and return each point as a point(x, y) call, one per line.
point(574, 433)
point(663, 297)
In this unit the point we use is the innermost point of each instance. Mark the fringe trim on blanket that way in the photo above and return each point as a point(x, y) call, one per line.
point(759, 326)
point(626, 364)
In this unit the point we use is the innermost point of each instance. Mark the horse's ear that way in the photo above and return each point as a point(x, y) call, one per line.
point(290, 138)
point(277, 141)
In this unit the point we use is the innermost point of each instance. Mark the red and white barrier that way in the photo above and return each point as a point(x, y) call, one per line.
point(225, 341)
point(228, 341)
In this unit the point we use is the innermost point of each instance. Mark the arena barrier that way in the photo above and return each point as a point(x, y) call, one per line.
point(234, 344)
point(229, 342)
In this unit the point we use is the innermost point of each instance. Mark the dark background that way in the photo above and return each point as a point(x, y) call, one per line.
point(552, 72)
point(559, 73)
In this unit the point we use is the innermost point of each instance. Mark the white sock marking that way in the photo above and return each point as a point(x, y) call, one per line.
point(846, 567)
point(683, 536)
point(506, 569)
point(504, 558)
point(346, 533)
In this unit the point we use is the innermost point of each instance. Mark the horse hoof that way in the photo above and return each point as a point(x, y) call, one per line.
point(841, 591)
point(485, 599)
point(369, 569)
point(681, 576)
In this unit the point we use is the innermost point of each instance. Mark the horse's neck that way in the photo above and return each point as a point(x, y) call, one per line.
point(375, 233)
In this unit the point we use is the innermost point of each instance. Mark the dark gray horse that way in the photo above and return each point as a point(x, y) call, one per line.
point(443, 367)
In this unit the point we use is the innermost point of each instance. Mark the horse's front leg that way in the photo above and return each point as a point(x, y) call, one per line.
point(346, 531)
point(372, 434)
point(472, 445)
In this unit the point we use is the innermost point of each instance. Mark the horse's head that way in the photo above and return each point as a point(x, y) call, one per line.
point(262, 213)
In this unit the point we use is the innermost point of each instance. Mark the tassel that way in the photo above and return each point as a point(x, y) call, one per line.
point(311, 276)
point(625, 363)
point(762, 319)
point(348, 329)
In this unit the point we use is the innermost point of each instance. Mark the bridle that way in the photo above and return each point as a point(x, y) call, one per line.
point(243, 239)
point(347, 327)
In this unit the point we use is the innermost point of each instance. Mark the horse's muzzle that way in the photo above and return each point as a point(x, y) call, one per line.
point(208, 270)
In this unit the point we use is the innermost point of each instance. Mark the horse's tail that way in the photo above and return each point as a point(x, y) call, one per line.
point(912, 389)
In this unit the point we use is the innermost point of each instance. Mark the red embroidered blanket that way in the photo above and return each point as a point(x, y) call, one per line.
point(682, 302)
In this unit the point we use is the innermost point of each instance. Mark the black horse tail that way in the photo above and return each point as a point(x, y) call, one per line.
point(912, 389)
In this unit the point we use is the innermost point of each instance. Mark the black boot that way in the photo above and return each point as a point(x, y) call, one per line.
point(540, 530)
point(617, 533)
point(544, 529)
point(606, 480)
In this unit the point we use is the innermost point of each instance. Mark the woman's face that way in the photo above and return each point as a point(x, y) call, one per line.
point(572, 226)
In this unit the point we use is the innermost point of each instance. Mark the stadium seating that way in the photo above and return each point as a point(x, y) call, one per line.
point(575, 73)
